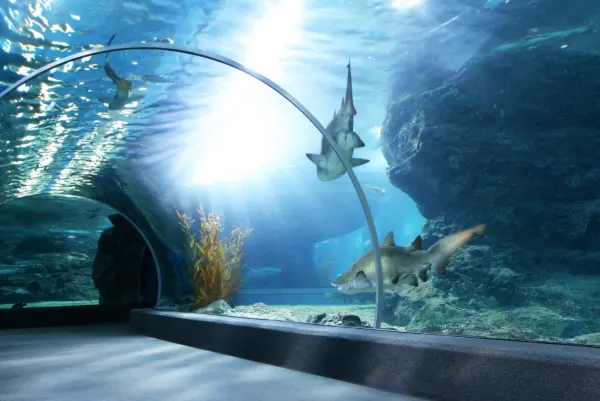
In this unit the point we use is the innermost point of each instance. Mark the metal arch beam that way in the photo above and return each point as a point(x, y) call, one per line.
point(240, 67)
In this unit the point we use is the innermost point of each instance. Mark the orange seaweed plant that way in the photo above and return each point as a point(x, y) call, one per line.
point(214, 265)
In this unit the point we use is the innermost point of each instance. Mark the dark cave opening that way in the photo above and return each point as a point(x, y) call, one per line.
point(124, 270)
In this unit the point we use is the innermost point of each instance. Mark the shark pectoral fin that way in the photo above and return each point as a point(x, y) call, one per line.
point(389, 239)
point(412, 280)
point(319, 160)
point(423, 273)
point(440, 261)
point(355, 140)
point(395, 280)
point(440, 268)
point(416, 244)
point(358, 162)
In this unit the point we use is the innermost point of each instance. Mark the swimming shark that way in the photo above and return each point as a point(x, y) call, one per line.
point(376, 190)
point(402, 265)
point(124, 86)
point(262, 272)
point(341, 128)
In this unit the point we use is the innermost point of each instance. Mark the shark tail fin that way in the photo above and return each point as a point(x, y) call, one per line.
point(359, 142)
point(111, 39)
point(444, 248)
point(108, 44)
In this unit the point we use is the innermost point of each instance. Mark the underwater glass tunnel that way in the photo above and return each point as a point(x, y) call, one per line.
point(385, 172)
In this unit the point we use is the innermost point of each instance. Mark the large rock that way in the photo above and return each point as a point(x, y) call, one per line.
point(430, 51)
point(511, 141)
point(116, 268)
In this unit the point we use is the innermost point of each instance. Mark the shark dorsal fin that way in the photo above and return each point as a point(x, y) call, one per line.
point(416, 244)
point(389, 239)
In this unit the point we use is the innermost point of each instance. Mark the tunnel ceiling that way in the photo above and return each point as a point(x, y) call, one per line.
point(59, 135)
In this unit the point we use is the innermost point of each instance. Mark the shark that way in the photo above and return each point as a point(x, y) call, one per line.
point(262, 272)
point(124, 86)
point(341, 128)
point(402, 265)
point(375, 190)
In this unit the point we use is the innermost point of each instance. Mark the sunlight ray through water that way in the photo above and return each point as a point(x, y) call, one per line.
point(477, 117)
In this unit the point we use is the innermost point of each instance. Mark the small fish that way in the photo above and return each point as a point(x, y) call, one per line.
point(8, 271)
point(63, 256)
point(402, 265)
point(376, 190)
point(341, 128)
point(78, 256)
point(123, 86)
point(157, 79)
point(14, 290)
point(263, 271)
point(163, 40)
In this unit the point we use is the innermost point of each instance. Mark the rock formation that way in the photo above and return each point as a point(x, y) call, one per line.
point(511, 141)
point(116, 268)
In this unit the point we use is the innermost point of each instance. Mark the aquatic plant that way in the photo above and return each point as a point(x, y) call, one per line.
point(214, 265)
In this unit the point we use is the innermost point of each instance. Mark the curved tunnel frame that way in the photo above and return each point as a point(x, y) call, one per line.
point(240, 67)
point(135, 226)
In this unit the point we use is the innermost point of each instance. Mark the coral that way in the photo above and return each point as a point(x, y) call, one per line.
point(214, 265)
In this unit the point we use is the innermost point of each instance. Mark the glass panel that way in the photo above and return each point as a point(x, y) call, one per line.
point(472, 113)
point(65, 251)
point(236, 201)
point(245, 165)
point(59, 137)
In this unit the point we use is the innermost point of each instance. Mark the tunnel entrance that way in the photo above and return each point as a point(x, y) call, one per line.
point(124, 271)
point(66, 250)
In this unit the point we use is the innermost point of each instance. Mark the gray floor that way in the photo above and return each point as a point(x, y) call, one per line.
point(111, 363)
